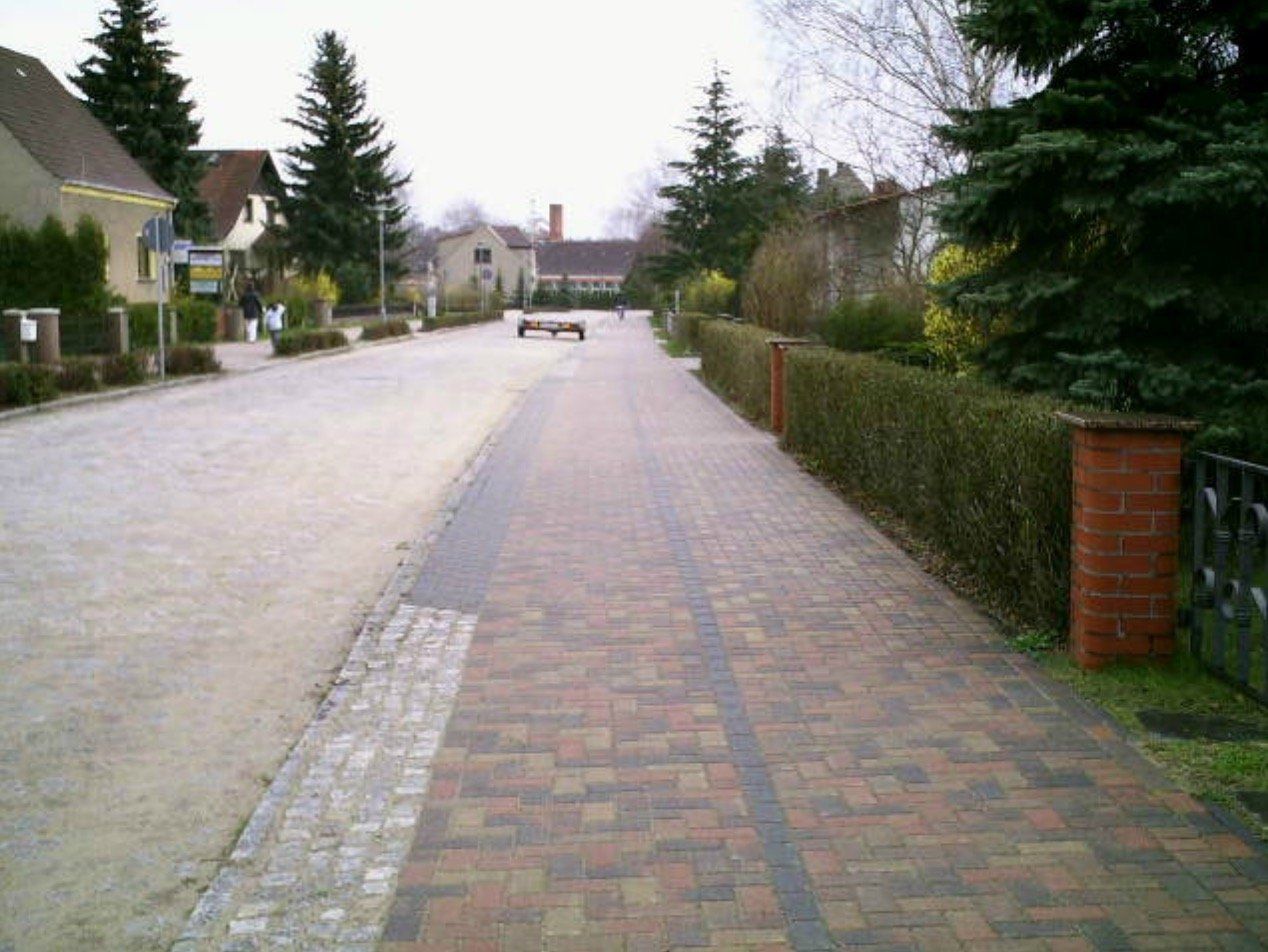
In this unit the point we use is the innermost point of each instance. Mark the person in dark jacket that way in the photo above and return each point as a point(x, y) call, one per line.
point(252, 308)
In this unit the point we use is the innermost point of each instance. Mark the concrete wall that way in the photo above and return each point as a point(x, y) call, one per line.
point(121, 217)
point(455, 260)
point(28, 194)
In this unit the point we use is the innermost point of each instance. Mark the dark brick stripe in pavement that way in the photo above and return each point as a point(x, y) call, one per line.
point(457, 571)
point(663, 583)
point(806, 929)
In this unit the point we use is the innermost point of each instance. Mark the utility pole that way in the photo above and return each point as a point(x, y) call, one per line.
point(382, 210)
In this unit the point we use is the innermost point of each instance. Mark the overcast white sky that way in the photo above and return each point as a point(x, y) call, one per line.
point(502, 101)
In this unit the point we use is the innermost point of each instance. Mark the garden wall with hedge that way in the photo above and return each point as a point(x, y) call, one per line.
point(735, 360)
point(981, 474)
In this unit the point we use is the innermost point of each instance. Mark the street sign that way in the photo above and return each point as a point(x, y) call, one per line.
point(180, 250)
point(158, 234)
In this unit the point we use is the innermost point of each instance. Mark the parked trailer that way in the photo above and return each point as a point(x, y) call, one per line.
point(556, 325)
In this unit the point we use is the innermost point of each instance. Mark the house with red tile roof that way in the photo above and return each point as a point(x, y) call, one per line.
point(243, 191)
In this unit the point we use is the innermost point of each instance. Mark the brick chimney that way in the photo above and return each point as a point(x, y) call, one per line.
point(556, 223)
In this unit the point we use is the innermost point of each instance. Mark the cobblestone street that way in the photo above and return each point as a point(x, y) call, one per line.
point(181, 575)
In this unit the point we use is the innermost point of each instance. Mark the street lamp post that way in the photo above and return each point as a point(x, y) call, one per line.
point(382, 211)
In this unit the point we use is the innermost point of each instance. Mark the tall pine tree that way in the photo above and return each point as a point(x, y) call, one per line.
point(130, 86)
point(708, 222)
point(1127, 202)
point(341, 172)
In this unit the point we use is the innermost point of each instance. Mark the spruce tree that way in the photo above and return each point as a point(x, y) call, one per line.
point(342, 172)
point(710, 212)
point(1125, 204)
point(779, 188)
point(130, 86)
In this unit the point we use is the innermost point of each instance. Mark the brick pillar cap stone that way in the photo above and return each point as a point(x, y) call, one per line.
point(1156, 422)
point(790, 342)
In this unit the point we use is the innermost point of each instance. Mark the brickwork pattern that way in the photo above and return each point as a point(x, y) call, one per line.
point(1124, 544)
point(707, 705)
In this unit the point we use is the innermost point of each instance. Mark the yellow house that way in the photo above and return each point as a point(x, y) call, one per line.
point(57, 159)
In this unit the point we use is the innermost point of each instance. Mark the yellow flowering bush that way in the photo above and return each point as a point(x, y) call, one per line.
point(954, 336)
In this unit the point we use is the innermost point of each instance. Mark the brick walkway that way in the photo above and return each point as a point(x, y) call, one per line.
point(708, 705)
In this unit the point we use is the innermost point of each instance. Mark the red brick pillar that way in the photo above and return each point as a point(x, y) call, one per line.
point(778, 347)
point(1125, 538)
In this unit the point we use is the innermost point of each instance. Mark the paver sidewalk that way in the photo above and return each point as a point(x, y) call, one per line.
point(706, 704)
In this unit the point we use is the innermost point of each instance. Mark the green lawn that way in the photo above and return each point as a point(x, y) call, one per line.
point(1213, 770)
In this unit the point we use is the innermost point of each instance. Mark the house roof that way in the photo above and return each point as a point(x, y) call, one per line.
point(579, 259)
point(512, 235)
point(232, 175)
point(62, 135)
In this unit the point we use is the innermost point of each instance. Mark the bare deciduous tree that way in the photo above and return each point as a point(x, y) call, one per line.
point(884, 72)
point(643, 205)
point(463, 213)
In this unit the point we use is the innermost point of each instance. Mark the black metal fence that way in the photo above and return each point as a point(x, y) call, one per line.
point(83, 334)
point(1228, 627)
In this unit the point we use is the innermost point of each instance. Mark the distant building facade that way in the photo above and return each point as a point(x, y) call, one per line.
point(595, 266)
point(583, 266)
point(873, 238)
point(58, 160)
point(495, 255)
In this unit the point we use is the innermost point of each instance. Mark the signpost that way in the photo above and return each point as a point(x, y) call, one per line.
point(159, 235)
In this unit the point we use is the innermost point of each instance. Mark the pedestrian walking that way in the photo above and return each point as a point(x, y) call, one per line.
point(275, 320)
point(252, 308)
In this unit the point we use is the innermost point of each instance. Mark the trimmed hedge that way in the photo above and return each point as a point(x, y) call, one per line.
point(24, 384)
point(185, 359)
point(735, 360)
point(687, 330)
point(302, 340)
point(125, 370)
point(392, 327)
point(195, 322)
point(981, 474)
point(460, 319)
point(78, 374)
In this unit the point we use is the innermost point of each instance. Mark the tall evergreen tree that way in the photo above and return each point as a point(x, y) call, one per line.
point(1127, 201)
point(342, 172)
point(779, 188)
point(130, 86)
point(710, 210)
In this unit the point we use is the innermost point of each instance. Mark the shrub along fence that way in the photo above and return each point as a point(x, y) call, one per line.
point(982, 474)
point(735, 360)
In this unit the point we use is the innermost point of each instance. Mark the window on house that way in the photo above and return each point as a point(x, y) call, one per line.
point(270, 212)
point(484, 256)
point(144, 261)
point(248, 212)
